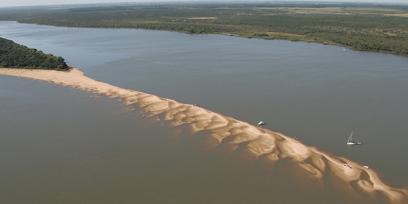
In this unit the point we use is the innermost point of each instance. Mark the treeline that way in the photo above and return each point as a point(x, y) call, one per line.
point(13, 55)
point(366, 27)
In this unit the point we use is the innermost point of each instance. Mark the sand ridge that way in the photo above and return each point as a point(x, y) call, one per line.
point(258, 142)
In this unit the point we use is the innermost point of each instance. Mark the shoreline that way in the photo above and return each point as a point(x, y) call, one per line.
point(258, 142)
point(232, 34)
point(227, 34)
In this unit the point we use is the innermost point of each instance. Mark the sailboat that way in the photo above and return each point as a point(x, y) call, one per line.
point(351, 142)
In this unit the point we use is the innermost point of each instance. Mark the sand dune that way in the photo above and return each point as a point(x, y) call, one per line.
point(258, 142)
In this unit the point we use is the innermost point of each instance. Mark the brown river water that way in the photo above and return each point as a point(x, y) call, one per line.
point(60, 145)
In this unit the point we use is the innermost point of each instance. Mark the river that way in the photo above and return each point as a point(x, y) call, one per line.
point(60, 145)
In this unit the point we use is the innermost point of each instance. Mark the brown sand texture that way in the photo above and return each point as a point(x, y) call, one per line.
point(258, 142)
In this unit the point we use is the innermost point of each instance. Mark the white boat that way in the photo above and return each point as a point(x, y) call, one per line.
point(350, 140)
point(261, 123)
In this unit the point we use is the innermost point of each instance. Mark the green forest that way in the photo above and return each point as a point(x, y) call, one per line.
point(366, 27)
point(13, 55)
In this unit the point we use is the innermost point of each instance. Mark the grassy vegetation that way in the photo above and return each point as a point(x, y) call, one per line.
point(17, 56)
point(359, 26)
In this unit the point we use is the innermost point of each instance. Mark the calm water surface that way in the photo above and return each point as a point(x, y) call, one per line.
point(60, 145)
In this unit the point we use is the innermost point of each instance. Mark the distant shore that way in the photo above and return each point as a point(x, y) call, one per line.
point(258, 143)
point(363, 27)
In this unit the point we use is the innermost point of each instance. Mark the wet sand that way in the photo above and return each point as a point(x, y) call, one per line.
point(258, 143)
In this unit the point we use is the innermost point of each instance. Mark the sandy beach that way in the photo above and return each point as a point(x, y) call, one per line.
point(259, 143)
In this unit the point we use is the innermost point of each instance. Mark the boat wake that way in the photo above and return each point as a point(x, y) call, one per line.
point(260, 143)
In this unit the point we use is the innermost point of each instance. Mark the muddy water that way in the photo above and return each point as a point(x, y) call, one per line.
point(73, 147)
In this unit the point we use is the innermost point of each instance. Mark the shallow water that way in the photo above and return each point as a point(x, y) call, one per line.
point(313, 92)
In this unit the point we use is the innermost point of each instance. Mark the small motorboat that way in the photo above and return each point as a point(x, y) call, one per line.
point(261, 124)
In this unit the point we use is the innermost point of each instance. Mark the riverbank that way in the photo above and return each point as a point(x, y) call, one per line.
point(257, 142)
point(363, 27)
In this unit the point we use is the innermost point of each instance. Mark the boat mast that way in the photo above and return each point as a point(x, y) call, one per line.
point(350, 139)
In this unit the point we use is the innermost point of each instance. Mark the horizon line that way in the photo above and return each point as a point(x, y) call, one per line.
point(327, 2)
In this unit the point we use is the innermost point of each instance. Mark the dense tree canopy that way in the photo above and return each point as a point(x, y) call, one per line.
point(369, 27)
point(18, 56)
